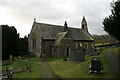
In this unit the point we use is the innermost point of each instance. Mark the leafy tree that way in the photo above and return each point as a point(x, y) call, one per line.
point(112, 23)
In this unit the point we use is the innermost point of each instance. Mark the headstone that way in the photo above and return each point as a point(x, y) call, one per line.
point(19, 57)
point(77, 55)
point(95, 65)
point(11, 58)
point(10, 75)
point(44, 57)
point(30, 69)
point(65, 58)
point(27, 66)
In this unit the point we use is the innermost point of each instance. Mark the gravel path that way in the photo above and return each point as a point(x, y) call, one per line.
point(46, 72)
point(112, 61)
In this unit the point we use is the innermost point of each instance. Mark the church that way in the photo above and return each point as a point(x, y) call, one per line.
point(58, 41)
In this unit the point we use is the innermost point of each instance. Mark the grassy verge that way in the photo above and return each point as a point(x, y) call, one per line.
point(71, 69)
point(116, 51)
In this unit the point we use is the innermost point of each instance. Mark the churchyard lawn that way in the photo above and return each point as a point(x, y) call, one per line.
point(70, 69)
point(116, 51)
point(34, 64)
point(60, 68)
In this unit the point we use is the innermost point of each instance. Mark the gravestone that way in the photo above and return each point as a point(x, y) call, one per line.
point(10, 74)
point(11, 58)
point(64, 58)
point(30, 69)
point(19, 57)
point(44, 57)
point(95, 65)
point(27, 66)
point(77, 55)
point(18, 70)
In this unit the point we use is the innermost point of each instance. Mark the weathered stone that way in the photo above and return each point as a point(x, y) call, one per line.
point(7, 62)
point(95, 65)
point(78, 55)
point(65, 58)
point(17, 70)
point(54, 40)
point(11, 58)
point(44, 57)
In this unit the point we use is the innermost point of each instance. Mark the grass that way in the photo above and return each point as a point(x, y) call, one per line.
point(36, 71)
point(53, 59)
point(99, 44)
point(72, 69)
point(34, 59)
point(116, 51)
point(63, 69)
point(16, 64)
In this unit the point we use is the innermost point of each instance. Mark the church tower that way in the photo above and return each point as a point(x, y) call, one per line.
point(84, 24)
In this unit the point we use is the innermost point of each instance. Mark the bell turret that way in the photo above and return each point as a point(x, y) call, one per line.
point(84, 24)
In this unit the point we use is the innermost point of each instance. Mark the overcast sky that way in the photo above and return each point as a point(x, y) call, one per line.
point(21, 13)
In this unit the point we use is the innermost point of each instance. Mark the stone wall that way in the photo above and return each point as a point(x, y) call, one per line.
point(66, 46)
point(34, 42)
point(47, 47)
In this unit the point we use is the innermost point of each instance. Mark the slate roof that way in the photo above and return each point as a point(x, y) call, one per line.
point(59, 37)
point(49, 31)
point(79, 34)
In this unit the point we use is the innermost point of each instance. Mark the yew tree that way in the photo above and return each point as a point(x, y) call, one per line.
point(112, 22)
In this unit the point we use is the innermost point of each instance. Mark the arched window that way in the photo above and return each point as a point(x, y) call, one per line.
point(34, 43)
point(82, 26)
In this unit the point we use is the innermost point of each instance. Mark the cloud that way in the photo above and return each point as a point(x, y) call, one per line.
point(22, 12)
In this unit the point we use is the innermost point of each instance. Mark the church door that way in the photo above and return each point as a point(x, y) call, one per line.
point(68, 50)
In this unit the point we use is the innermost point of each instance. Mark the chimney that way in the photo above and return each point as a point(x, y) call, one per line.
point(65, 26)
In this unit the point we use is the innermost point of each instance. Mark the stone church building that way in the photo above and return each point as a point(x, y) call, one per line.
point(57, 41)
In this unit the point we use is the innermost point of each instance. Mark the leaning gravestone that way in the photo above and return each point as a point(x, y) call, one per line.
point(77, 55)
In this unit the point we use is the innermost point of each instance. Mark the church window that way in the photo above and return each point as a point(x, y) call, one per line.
point(76, 45)
point(34, 42)
point(80, 44)
point(68, 51)
point(87, 45)
point(82, 26)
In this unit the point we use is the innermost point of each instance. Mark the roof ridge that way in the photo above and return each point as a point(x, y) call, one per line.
point(48, 24)
point(69, 27)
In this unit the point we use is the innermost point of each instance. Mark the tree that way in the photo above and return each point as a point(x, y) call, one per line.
point(112, 23)
point(23, 46)
point(9, 41)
